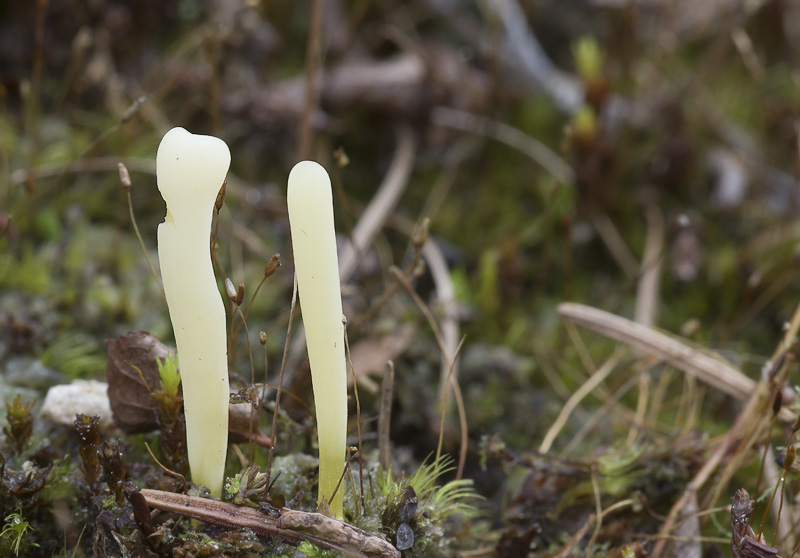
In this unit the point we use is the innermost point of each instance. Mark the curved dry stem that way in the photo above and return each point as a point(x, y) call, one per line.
point(590, 385)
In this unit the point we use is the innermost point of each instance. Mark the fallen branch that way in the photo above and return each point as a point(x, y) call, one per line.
point(291, 526)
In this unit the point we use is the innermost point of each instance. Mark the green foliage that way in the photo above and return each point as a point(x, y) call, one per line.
point(29, 271)
point(452, 498)
point(435, 505)
point(589, 58)
point(247, 484)
point(584, 123)
point(170, 376)
point(314, 551)
point(13, 532)
point(75, 356)
point(20, 423)
point(488, 288)
point(58, 486)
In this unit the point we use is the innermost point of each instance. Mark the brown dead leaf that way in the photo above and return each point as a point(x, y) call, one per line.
point(133, 407)
point(370, 355)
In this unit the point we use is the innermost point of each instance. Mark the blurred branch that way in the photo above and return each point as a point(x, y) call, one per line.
point(537, 151)
point(522, 54)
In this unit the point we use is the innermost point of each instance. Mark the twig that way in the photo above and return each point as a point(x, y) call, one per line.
point(590, 423)
point(523, 55)
point(646, 309)
point(598, 512)
point(462, 457)
point(573, 541)
point(95, 164)
point(166, 470)
point(291, 526)
point(358, 413)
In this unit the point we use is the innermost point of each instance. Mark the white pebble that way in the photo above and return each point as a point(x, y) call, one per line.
point(88, 397)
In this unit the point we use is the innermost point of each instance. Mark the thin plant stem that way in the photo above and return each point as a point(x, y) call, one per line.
point(780, 509)
point(253, 411)
point(358, 414)
point(462, 415)
point(313, 54)
point(144, 248)
point(34, 101)
point(385, 417)
point(599, 512)
point(441, 423)
point(280, 383)
point(166, 470)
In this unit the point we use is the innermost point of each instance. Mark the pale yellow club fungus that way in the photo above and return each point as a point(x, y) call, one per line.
point(191, 170)
point(317, 267)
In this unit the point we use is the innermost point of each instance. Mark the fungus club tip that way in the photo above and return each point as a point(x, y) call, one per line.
point(309, 176)
point(191, 168)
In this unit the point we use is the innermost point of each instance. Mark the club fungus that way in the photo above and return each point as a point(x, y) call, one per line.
point(317, 267)
point(190, 170)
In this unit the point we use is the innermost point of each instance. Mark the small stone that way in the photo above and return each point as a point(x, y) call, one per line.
point(88, 397)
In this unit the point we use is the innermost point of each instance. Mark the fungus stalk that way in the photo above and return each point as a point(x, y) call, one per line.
point(317, 267)
point(190, 170)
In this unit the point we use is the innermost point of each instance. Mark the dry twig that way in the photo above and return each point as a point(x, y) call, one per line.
point(290, 525)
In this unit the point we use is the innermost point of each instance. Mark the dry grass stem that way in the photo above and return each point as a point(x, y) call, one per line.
point(587, 388)
point(747, 416)
point(616, 245)
point(385, 417)
point(647, 291)
point(704, 364)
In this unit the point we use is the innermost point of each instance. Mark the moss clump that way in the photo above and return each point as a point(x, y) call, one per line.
point(411, 512)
